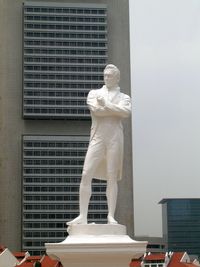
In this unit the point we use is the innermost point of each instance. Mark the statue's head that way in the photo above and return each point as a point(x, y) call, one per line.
point(111, 76)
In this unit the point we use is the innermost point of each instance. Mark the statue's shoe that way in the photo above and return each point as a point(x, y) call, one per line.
point(111, 220)
point(78, 220)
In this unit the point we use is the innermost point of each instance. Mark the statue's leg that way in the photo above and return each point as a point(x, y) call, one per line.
point(84, 198)
point(111, 193)
point(113, 163)
point(92, 159)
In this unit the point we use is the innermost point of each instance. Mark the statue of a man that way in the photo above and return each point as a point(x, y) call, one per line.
point(108, 106)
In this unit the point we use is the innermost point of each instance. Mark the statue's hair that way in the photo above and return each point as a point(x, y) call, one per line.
point(114, 69)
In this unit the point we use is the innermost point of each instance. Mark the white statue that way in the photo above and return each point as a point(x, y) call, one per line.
point(108, 106)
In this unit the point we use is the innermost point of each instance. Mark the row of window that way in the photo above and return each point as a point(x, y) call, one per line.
point(36, 217)
point(53, 162)
point(50, 99)
point(59, 188)
point(71, 144)
point(65, 27)
point(82, 61)
point(57, 181)
point(50, 181)
point(60, 198)
point(50, 153)
point(43, 225)
point(189, 235)
point(195, 227)
point(74, 19)
point(62, 77)
point(37, 51)
point(54, 102)
point(55, 34)
point(64, 43)
point(64, 68)
point(53, 151)
point(64, 10)
point(44, 234)
point(62, 180)
point(184, 213)
point(187, 244)
point(49, 86)
point(154, 265)
point(51, 198)
point(63, 207)
point(60, 111)
point(57, 144)
point(65, 170)
point(185, 204)
point(182, 221)
point(50, 189)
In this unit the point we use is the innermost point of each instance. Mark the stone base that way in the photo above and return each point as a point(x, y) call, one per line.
point(96, 245)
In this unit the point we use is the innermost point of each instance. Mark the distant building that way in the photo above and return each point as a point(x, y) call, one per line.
point(65, 51)
point(155, 244)
point(171, 259)
point(181, 224)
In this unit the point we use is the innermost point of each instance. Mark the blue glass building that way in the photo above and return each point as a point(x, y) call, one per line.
point(181, 224)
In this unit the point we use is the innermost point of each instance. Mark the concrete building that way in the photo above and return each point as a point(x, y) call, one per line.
point(154, 245)
point(52, 54)
point(181, 228)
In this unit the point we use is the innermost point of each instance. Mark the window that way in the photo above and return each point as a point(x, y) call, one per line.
point(51, 179)
point(50, 41)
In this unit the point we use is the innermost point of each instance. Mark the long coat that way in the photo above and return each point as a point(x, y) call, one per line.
point(117, 107)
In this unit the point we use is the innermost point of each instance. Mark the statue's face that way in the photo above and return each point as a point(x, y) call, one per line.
point(110, 78)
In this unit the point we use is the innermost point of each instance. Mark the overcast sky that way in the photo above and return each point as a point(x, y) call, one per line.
point(165, 46)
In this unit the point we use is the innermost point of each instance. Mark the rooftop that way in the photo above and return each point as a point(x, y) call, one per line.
point(169, 259)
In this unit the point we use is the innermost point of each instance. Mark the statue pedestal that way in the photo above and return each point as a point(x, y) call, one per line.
point(96, 245)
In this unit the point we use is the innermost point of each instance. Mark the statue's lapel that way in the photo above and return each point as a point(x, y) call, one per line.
point(116, 96)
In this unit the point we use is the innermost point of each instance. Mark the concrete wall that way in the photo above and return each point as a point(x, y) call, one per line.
point(12, 126)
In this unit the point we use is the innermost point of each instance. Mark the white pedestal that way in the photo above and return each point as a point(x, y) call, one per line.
point(96, 245)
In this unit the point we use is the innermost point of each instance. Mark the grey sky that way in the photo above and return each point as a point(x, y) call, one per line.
point(165, 46)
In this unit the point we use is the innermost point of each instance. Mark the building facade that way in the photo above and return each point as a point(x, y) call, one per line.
point(181, 228)
point(154, 244)
point(53, 53)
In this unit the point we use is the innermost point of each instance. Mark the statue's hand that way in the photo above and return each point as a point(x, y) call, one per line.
point(101, 100)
